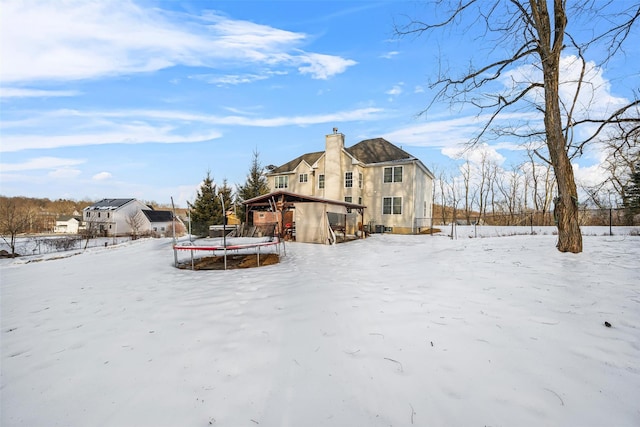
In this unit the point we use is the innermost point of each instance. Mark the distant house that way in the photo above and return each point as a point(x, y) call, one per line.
point(68, 224)
point(158, 222)
point(120, 217)
point(391, 190)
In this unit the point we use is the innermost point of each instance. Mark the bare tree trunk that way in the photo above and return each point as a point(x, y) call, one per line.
point(566, 208)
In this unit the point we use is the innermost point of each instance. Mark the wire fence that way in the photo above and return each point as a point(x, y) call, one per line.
point(41, 244)
point(587, 217)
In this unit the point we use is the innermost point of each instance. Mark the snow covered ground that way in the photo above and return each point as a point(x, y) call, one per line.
point(391, 330)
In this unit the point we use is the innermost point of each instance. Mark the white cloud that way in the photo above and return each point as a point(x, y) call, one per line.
point(476, 154)
point(8, 92)
point(395, 90)
point(127, 134)
point(389, 55)
point(449, 132)
point(69, 128)
point(102, 176)
point(595, 99)
point(64, 173)
point(79, 40)
point(323, 66)
point(41, 163)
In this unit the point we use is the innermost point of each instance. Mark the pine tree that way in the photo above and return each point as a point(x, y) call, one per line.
point(206, 209)
point(227, 196)
point(632, 192)
point(255, 185)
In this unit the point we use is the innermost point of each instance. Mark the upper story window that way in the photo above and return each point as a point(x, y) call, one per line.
point(321, 180)
point(303, 177)
point(360, 179)
point(88, 214)
point(393, 174)
point(392, 206)
point(348, 179)
point(282, 181)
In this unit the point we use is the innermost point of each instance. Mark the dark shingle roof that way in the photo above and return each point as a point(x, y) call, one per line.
point(310, 158)
point(158, 216)
point(369, 151)
point(377, 150)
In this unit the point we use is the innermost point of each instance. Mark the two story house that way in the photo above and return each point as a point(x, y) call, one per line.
point(395, 187)
point(120, 217)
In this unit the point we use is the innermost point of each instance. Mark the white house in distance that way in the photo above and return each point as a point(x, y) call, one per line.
point(68, 224)
point(118, 217)
point(394, 188)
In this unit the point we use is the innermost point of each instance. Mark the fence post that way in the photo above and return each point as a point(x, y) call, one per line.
point(531, 220)
point(610, 221)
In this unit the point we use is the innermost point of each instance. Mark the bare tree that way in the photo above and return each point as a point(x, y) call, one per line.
point(135, 220)
point(16, 217)
point(527, 33)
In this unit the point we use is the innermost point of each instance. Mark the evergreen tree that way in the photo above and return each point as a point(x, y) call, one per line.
point(206, 209)
point(632, 192)
point(227, 196)
point(255, 185)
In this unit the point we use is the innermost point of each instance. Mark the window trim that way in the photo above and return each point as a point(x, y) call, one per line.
point(321, 181)
point(395, 202)
point(394, 176)
point(303, 178)
point(281, 181)
point(348, 180)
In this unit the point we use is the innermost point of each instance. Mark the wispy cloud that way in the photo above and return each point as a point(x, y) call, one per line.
point(102, 176)
point(40, 163)
point(9, 92)
point(395, 90)
point(322, 66)
point(68, 128)
point(125, 134)
point(453, 133)
point(389, 55)
point(82, 40)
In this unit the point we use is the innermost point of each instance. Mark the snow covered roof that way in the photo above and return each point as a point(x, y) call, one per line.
point(108, 204)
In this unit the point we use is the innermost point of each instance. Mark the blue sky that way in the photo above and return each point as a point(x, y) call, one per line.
point(142, 98)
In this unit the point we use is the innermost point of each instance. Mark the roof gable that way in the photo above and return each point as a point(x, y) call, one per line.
point(310, 158)
point(378, 150)
point(369, 151)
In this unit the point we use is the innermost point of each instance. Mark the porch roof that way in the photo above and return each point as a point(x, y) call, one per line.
point(288, 198)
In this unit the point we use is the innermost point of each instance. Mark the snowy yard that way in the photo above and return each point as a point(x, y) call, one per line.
point(391, 330)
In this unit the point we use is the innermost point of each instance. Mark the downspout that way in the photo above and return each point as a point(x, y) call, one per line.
point(413, 219)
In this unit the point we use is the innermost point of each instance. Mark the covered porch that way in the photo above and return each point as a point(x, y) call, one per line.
point(307, 219)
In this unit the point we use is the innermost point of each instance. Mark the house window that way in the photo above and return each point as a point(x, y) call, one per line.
point(98, 214)
point(303, 177)
point(321, 180)
point(392, 206)
point(393, 174)
point(282, 182)
point(348, 200)
point(348, 179)
point(88, 214)
point(107, 214)
point(360, 180)
point(359, 200)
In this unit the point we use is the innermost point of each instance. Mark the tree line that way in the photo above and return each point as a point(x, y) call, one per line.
point(482, 190)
